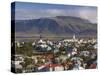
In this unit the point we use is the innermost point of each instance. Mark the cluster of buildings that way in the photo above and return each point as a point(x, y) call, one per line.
point(67, 54)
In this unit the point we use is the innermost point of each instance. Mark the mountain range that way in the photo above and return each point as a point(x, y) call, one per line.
point(56, 26)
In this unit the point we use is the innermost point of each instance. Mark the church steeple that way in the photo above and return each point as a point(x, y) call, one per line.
point(74, 37)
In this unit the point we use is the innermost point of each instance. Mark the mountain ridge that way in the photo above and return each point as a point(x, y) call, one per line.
point(59, 25)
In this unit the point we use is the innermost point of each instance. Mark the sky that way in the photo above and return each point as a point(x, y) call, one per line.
point(25, 11)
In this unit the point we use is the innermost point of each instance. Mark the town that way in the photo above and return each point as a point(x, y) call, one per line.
point(47, 55)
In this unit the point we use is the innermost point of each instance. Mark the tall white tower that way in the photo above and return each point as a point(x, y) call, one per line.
point(74, 37)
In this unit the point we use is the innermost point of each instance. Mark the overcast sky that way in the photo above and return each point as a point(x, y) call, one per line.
point(35, 10)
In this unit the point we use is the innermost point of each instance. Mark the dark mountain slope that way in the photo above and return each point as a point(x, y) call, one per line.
point(60, 25)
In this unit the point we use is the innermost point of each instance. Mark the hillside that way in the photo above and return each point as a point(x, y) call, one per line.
point(56, 26)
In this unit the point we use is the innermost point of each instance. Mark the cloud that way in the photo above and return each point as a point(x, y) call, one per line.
point(90, 15)
point(83, 12)
point(24, 14)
